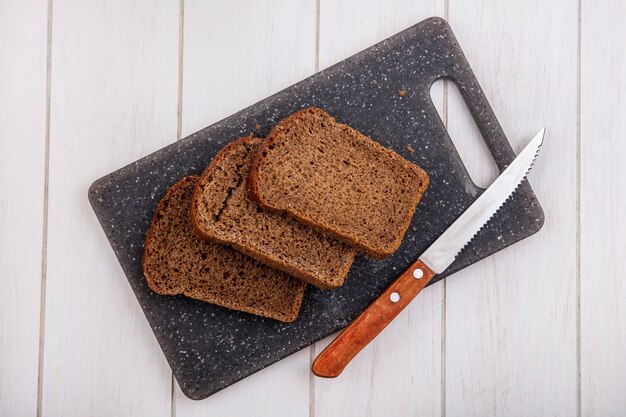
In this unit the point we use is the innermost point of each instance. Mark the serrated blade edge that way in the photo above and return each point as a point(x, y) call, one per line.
point(447, 246)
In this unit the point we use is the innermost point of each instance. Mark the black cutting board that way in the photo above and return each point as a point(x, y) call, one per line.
point(209, 347)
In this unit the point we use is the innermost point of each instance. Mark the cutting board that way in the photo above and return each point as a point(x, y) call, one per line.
point(209, 347)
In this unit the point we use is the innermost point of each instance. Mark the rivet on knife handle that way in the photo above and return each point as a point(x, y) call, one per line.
point(372, 321)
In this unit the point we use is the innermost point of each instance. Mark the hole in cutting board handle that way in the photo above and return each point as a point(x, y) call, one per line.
point(467, 139)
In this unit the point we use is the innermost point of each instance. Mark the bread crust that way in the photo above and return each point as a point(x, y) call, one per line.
point(150, 235)
point(273, 262)
point(193, 207)
point(256, 195)
point(284, 316)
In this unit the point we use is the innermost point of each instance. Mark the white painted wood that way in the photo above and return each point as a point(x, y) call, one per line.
point(468, 140)
point(23, 45)
point(114, 99)
point(399, 373)
point(279, 390)
point(237, 53)
point(511, 319)
point(603, 210)
point(347, 27)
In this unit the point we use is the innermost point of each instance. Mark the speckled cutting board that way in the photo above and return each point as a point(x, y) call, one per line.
point(209, 347)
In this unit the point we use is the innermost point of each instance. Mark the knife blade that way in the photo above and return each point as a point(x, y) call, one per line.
point(435, 260)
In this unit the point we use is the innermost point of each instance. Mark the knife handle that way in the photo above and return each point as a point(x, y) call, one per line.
point(331, 362)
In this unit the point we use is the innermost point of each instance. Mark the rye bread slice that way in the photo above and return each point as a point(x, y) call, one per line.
point(221, 211)
point(176, 261)
point(331, 177)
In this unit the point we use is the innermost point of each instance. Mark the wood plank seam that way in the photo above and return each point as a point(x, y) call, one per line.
point(181, 44)
point(445, 282)
point(442, 347)
point(602, 230)
point(44, 232)
point(179, 133)
point(317, 35)
point(578, 107)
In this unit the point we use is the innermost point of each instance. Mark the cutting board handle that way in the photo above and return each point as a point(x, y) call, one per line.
point(331, 362)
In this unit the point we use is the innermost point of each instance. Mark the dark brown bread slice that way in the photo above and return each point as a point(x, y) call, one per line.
point(332, 177)
point(176, 261)
point(222, 211)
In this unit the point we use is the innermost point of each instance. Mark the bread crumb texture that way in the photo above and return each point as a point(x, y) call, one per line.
point(176, 261)
point(222, 211)
point(334, 178)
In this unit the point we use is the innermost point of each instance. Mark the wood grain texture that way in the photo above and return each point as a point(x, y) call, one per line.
point(23, 45)
point(114, 95)
point(279, 390)
point(236, 53)
point(509, 346)
point(372, 321)
point(511, 319)
point(603, 209)
point(467, 139)
point(399, 372)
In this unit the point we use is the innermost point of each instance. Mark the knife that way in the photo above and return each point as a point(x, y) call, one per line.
point(436, 259)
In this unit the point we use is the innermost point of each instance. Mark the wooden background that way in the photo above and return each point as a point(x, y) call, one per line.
point(89, 86)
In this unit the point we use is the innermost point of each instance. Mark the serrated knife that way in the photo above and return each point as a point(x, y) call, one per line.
point(436, 259)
